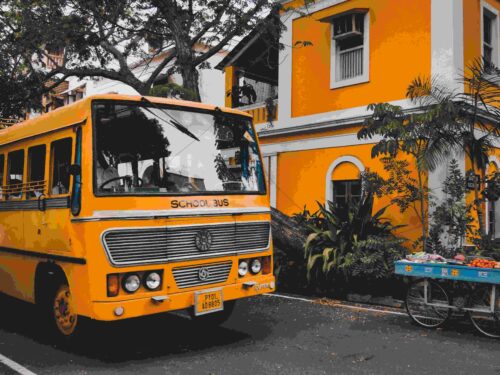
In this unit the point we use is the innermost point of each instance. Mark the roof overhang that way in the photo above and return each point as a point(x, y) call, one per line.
point(332, 17)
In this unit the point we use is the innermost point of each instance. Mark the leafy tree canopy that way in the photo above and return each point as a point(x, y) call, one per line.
point(121, 39)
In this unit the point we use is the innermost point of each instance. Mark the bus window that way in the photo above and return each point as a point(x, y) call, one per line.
point(147, 150)
point(36, 171)
point(61, 160)
point(15, 174)
point(2, 160)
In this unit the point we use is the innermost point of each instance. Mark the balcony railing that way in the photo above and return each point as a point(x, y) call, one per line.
point(259, 112)
point(350, 63)
point(6, 122)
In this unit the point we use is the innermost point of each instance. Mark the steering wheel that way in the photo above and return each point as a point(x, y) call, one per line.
point(188, 186)
point(127, 178)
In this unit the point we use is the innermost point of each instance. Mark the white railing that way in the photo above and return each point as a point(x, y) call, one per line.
point(350, 63)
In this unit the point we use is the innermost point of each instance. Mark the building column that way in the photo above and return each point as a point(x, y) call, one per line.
point(230, 75)
point(447, 42)
point(273, 175)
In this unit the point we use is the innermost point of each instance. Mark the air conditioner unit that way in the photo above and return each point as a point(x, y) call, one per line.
point(347, 26)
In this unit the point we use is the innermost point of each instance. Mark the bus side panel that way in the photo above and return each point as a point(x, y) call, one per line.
point(11, 229)
point(48, 231)
point(17, 273)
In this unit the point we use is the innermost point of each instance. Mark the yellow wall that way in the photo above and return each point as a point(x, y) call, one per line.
point(400, 50)
point(302, 181)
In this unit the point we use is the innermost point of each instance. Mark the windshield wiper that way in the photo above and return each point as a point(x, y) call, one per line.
point(183, 129)
point(172, 121)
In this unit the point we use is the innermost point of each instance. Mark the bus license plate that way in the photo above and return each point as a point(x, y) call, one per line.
point(208, 301)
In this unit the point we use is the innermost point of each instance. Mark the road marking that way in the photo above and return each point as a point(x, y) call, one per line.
point(338, 305)
point(15, 366)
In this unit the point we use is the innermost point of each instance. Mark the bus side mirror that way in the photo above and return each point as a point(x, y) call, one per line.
point(75, 169)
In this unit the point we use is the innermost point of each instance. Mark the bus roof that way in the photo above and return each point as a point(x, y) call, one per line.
point(77, 112)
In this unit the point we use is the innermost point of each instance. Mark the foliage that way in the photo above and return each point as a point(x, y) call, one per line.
point(352, 243)
point(491, 191)
point(467, 120)
point(271, 110)
point(451, 219)
point(402, 186)
point(123, 39)
point(172, 90)
point(412, 135)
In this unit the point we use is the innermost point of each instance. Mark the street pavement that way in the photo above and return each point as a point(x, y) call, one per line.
point(265, 335)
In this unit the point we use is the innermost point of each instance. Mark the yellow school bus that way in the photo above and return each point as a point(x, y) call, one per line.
point(123, 206)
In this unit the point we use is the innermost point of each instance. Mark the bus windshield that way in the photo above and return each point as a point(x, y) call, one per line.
point(146, 149)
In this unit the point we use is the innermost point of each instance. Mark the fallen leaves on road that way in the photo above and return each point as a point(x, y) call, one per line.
point(338, 303)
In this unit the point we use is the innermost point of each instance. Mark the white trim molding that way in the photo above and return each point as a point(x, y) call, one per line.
point(316, 143)
point(343, 159)
point(495, 37)
point(334, 66)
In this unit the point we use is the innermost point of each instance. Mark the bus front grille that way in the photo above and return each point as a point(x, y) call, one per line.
point(190, 277)
point(176, 243)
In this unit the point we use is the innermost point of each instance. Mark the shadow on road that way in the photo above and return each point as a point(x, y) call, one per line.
point(457, 328)
point(160, 335)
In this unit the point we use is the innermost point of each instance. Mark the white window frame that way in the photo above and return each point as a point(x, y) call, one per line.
point(494, 15)
point(343, 159)
point(365, 77)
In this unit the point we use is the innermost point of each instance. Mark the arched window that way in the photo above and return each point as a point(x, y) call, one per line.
point(343, 181)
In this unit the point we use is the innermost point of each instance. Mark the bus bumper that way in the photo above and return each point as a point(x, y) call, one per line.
point(160, 303)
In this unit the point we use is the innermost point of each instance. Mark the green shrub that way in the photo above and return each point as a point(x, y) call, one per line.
point(351, 244)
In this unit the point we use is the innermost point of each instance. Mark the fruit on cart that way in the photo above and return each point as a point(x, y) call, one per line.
point(423, 257)
point(482, 263)
point(459, 257)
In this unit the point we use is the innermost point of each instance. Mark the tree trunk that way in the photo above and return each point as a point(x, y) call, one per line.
point(423, 218)
point(190, 81)
point(479, 209)
point(287, 235)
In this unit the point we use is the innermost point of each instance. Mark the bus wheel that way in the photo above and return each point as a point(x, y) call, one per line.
point(216, 318)
point(60, 312)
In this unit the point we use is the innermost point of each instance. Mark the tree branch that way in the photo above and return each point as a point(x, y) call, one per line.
point(159, 69)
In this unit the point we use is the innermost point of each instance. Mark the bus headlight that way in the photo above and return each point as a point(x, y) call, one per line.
point(243, 268)
point(256, 266)
point(153, 280)
point(131, 283)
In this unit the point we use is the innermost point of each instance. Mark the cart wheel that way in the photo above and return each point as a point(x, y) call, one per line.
point(422, 313)
point(485, 321)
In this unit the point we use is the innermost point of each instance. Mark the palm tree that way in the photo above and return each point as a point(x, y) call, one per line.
point(466, 121)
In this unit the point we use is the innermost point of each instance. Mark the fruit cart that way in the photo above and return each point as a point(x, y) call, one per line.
point(439, 289)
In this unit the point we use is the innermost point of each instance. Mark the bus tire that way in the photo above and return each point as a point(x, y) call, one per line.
point(216, 318)
point(59, 312)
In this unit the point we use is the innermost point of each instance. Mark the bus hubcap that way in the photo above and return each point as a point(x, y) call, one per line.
point(64, 311)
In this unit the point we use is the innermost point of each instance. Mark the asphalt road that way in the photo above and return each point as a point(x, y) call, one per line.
point(265, 335)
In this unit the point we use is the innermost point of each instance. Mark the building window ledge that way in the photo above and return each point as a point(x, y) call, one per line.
point(249, 107)
point(350, 82)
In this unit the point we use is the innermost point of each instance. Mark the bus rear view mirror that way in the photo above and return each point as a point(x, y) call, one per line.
point(75, 169)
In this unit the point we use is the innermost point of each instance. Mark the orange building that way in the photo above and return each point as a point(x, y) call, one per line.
point(338, 57)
